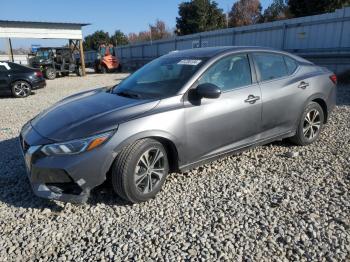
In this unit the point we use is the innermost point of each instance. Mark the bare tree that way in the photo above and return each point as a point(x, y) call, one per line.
point(157, 31)
point(245, 12)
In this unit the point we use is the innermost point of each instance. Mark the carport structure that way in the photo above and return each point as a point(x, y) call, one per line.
point(45, 30)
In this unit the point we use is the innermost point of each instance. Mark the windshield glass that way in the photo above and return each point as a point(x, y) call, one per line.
point(43, 54)
point(161, 78)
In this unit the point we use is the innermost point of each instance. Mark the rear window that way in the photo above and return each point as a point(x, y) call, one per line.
point(271, 66)
point(291, 64)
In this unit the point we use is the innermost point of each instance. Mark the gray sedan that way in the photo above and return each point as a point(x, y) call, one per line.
point(177, 112)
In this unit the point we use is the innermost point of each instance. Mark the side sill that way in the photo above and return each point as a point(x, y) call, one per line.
point(234, 151)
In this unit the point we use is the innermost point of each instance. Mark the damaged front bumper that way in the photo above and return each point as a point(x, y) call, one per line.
point(52, 183)
point(64, 178)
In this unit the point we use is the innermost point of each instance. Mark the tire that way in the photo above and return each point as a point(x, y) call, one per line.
point(120, 68)
point(310, 125)
point(130, 176)
point(104, 69)
point(79, 71)
point(21, 89)
point(50, 73)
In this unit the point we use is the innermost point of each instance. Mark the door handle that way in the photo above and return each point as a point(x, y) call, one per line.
point(252, 99)
point(303, 85)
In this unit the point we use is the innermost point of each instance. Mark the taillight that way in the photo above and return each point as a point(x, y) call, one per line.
point(38, 74)
point(334, 79)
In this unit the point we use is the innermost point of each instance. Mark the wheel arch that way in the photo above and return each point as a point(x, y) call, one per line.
point(324, 107)
point(20, 79)
point(320, 99)
point(167, 140)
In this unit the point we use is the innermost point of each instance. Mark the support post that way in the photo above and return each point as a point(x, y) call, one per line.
point(82, 58)
point(283, 43)
point(10, 50)
point(233, 38)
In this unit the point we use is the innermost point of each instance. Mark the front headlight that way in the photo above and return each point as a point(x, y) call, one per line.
point(76, 146)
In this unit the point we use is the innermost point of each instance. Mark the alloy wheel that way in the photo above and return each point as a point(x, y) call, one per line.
point(22, 89)
point(312, 124)
point(51, 74)
point(149, 170)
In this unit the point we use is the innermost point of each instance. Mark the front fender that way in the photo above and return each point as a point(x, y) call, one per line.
point(150, 134)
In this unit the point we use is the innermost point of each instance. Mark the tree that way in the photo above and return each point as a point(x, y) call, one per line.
point(198, 16)
point(278, 10)
point(159, 30)
point(313, 7)
point(245, 12)
point(119, 38)
point(92, 42)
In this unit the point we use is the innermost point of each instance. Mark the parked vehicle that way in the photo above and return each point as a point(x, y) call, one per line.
point(19, 80)
point(55, 60)
point(106, 60)
point(177, 112)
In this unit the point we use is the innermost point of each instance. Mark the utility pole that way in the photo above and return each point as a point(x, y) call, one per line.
point(150, 31)
point(10, 50)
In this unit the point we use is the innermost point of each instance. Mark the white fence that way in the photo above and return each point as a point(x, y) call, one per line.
point(19, 59)
point(317, 37)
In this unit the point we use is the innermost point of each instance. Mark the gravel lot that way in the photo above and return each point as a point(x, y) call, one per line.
point(276, 202)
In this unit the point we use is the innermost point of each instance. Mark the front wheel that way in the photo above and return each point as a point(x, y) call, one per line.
point(140, 170)
point(310, 125)
point(50, 73)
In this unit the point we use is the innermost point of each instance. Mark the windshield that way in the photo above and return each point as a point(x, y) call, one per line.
point(43, 54)
point(161, 78)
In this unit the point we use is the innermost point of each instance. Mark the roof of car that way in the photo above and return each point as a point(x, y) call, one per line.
point(213, 51)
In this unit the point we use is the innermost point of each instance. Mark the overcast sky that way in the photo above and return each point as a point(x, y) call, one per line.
point(108, 15)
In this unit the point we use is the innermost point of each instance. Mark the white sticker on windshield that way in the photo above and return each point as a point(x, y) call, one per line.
point(5, 65)
point(189, 62)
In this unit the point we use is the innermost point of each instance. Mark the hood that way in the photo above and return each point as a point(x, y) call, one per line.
point(88, 113)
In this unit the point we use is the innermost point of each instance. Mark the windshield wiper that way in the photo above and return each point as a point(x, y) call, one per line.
point(128, 94)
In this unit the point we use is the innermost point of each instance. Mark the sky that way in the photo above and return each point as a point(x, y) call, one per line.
point(108, 15)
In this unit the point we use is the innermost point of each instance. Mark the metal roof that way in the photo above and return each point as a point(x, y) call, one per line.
point(44, 23)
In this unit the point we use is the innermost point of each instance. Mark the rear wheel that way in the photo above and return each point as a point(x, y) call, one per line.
point(310, 125)
point(21, 89)
point(104, 69)
point(79, 71)
point(50, 73)
point(140, 170)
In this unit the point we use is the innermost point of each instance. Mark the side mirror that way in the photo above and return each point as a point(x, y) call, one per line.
point(208, 90)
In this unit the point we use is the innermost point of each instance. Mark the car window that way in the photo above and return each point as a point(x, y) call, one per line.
point(229, 73)
point(163, 77)
point(4, 67)
point(271, 66)
point(291, 64)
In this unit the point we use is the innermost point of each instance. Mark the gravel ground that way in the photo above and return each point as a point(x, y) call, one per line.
point(272, 203)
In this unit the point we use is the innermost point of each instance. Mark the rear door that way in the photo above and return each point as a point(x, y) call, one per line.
point(282, 92)
point(4, 77)
point(214, 126)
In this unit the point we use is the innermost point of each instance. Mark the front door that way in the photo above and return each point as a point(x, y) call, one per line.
point(215, 126)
